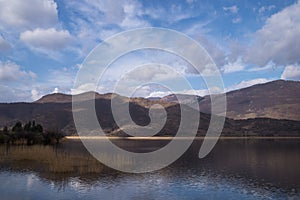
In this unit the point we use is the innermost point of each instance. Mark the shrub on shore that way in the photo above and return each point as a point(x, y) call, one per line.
point(31, 133)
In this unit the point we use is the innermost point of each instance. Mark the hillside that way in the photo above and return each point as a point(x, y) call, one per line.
point(277, 99)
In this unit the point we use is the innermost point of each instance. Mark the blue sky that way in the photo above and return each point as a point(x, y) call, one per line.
point(44, 42)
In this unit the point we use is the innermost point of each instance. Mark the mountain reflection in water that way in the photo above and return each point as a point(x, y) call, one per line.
point(235, 169)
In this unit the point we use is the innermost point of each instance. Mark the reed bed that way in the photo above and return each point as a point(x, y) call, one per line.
point(48, 159)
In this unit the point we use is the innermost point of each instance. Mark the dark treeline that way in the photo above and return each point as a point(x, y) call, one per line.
point(29, 133)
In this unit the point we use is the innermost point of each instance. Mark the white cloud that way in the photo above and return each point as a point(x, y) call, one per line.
point(199, 92)
point(212, 47)
point(171, 15)
point(125, 64)
point(278, 40)
point(27, 14)
point(87, 87)
point(151, 72)
point(23, 93)
point(231, 67)
point(105, 33)
point(132, 17)
point(202, 92)
point(159, 94)
point(62, 79)
point(10, 94)
point(291, 72)
point(133, 22)
point(124, 14)
point(269, 66)
point(10, 71)
point(16, 84)
point(102, 19)
point(35, 95)
point(14, 87)
point(47, 39)
point(247, 83)
point(237, 20)
point(232, 9)
point(105, 18)
point(4, 45)
point(79, 66)
point(56, 90)
point(263, 9)
point(112, 12)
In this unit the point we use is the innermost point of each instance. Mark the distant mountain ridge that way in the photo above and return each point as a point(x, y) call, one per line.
point(55, 111)
point(67, 98)
point(276, 99)
point(55, 98)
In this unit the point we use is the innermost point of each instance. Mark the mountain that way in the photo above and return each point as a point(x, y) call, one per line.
point(183, 98)
point(55, 98)
point(66, 98)
point(154, 98)
point(277, 99)
point(54, 112)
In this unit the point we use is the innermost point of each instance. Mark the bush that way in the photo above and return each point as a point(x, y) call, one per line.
point(3, 138)
point(31, 133)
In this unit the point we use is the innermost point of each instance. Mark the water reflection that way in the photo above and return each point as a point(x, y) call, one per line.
point(235, 169)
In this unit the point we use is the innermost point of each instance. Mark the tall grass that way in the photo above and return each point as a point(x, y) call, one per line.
point(48, 159)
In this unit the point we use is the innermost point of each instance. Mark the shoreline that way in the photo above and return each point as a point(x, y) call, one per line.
point(179, 138)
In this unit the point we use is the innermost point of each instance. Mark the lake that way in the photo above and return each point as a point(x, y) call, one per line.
point(235, 169)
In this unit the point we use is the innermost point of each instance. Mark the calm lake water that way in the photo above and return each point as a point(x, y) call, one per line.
point(235, 169)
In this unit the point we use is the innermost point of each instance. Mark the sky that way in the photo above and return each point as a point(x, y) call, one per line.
point(43, 43)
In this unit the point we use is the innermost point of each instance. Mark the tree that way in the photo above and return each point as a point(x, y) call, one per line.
point(33, 133)
point(33, 127)
point(39, 128)
point(5, 130)
point(3, 137)
point(17, 127)
point(53, 135)
point(27, 127)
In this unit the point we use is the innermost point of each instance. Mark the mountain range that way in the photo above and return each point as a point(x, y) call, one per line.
point(277, 99)
point(271, 108)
